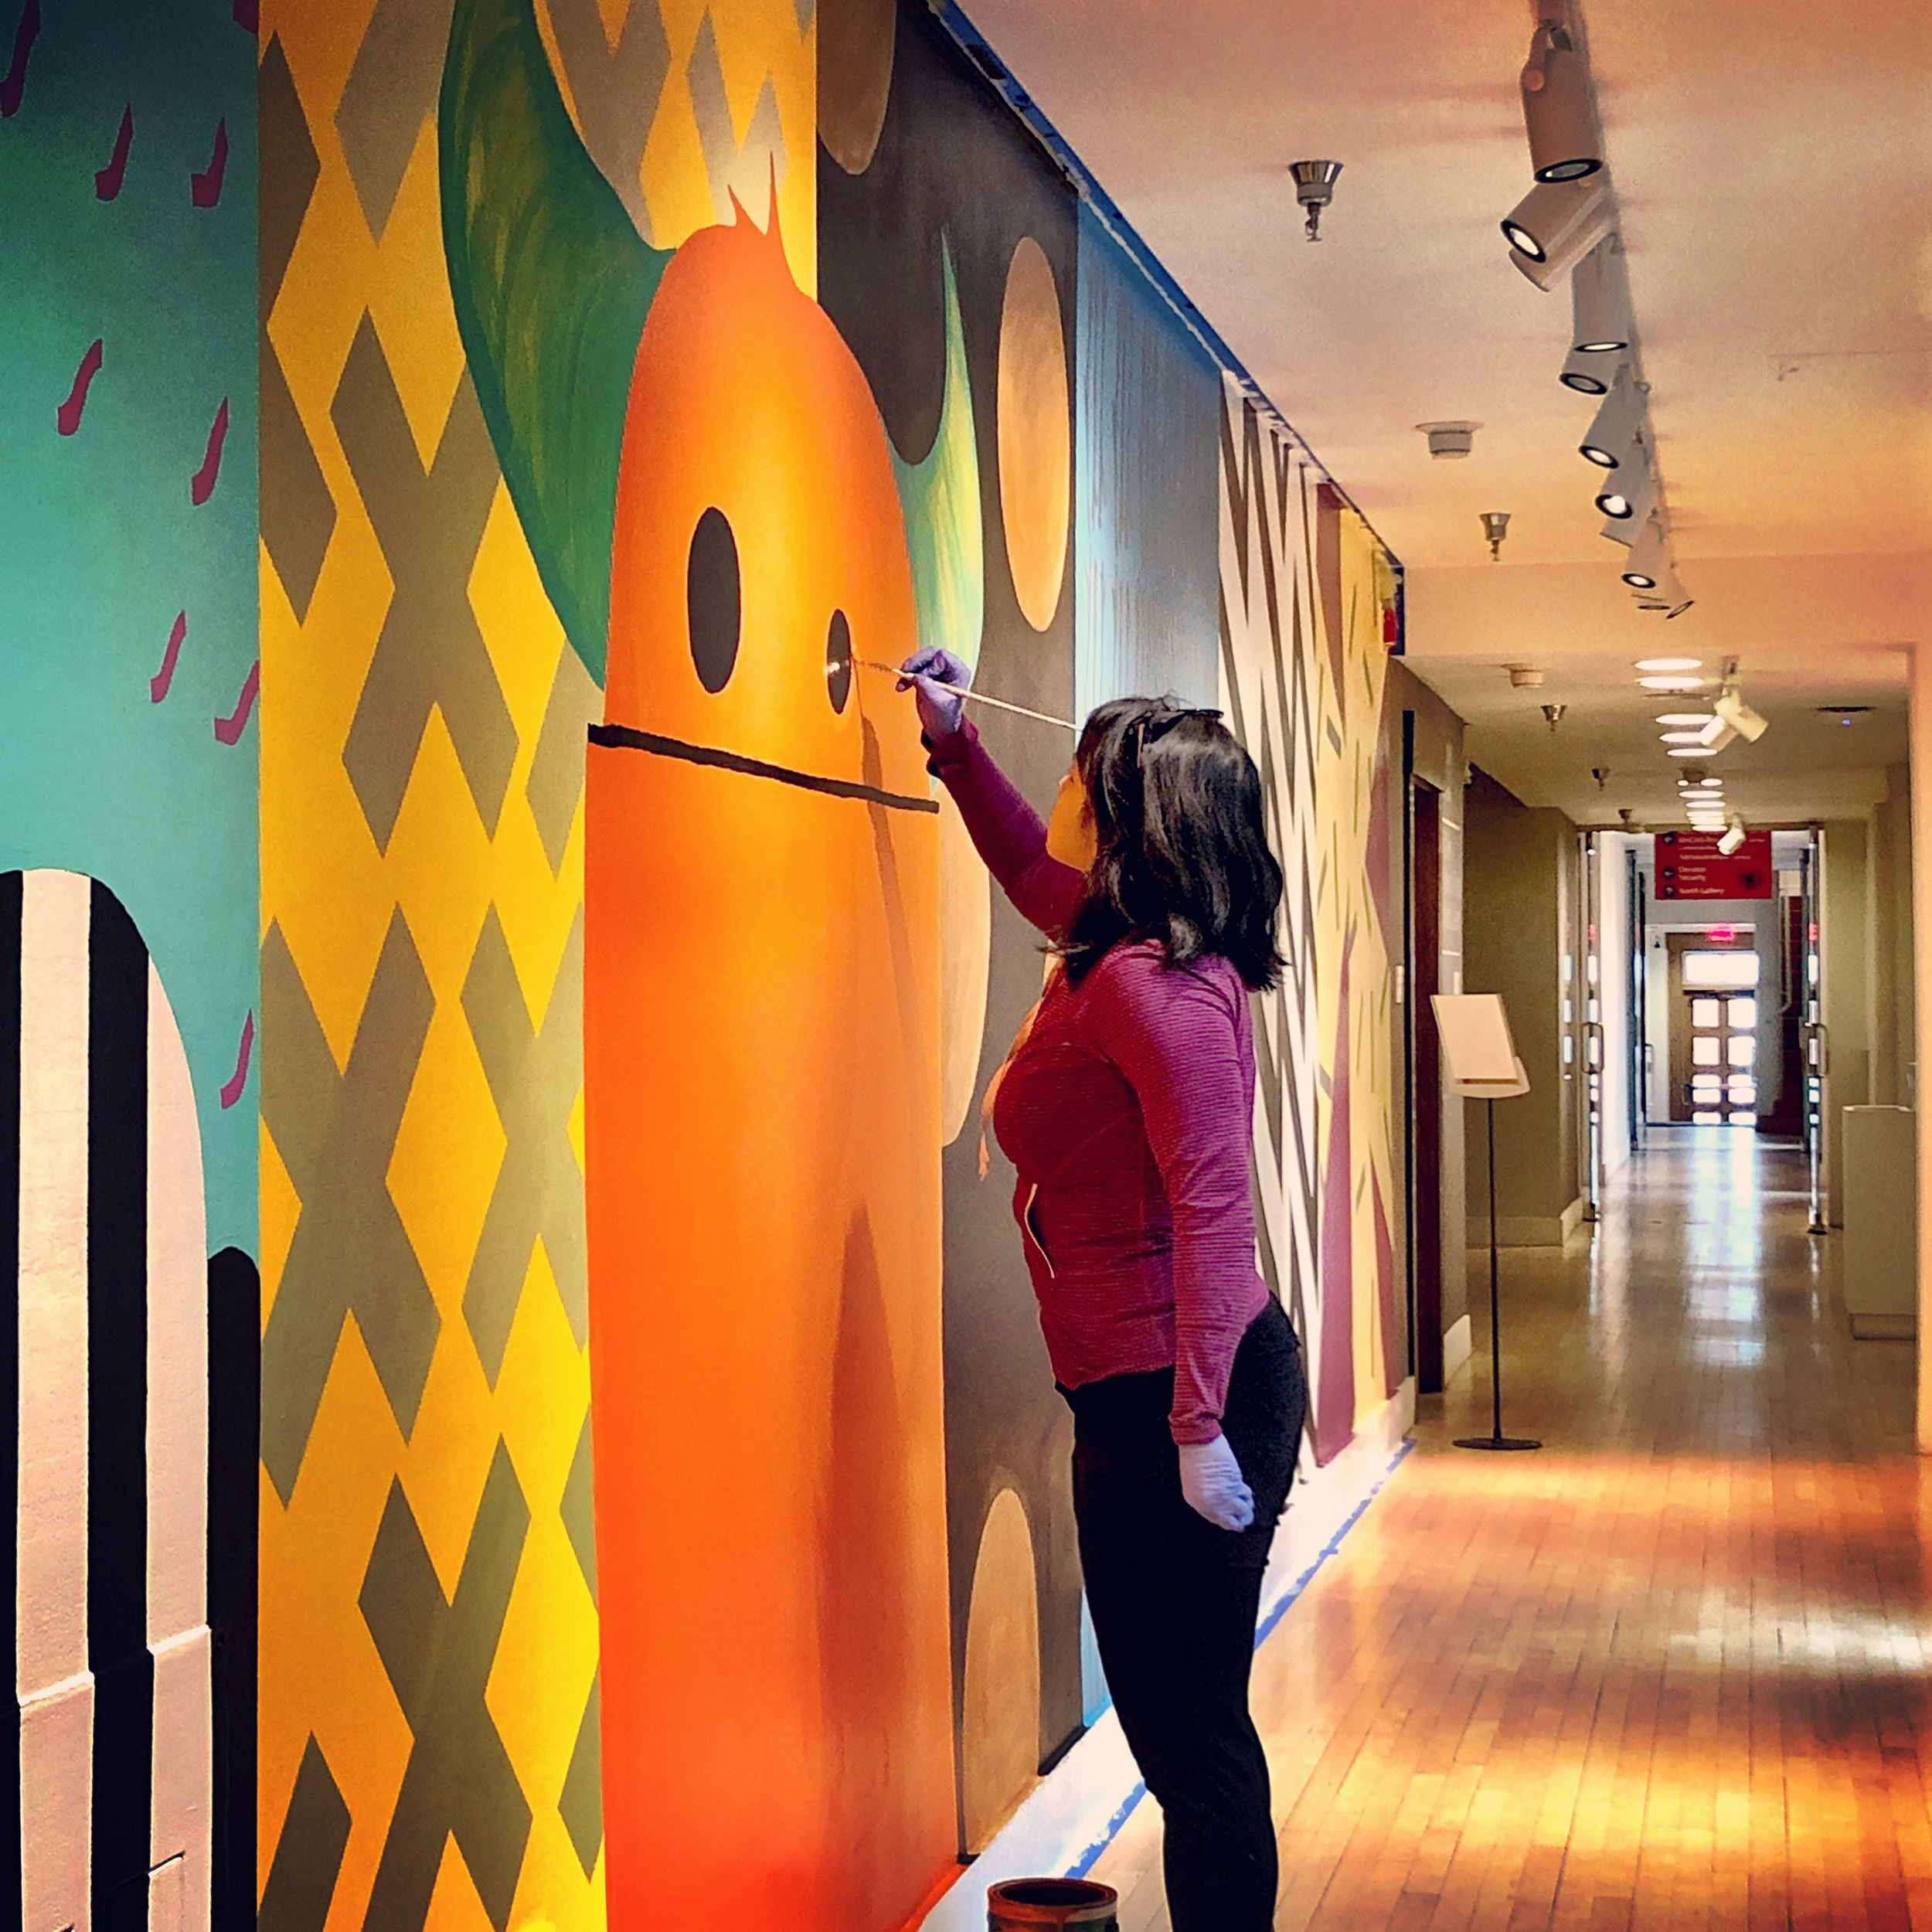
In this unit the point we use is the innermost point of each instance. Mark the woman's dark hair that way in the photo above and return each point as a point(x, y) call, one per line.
point(1182, 856)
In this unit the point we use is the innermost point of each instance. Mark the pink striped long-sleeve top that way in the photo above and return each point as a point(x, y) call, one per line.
point(1127, 1113)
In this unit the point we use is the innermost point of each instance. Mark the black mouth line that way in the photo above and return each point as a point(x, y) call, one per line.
point(624, 738)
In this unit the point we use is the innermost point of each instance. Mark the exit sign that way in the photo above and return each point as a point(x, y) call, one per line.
point(1690, 866)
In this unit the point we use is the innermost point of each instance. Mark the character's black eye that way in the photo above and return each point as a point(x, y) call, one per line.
point(839, 660)
point(711, 603)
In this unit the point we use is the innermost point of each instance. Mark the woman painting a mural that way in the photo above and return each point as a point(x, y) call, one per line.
point(1126, 1106)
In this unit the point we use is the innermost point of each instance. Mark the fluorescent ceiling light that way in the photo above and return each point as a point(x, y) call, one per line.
point(1671, 684)
point(1683, 717)
point(1713, 784)
point(1681, 737)
point(1689, 751)
point(1670, 663)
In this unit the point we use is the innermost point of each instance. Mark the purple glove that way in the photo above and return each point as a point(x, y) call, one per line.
point(1211, 1481)
point(939, 678)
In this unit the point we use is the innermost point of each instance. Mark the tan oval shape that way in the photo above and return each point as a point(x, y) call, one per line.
point(965, 956)
point(1035, 433)
point(855, 42)
point(999, 1740)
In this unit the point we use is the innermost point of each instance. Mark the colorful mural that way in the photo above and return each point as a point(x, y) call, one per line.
point(1307, 598)
point(952, 198)
point(534, 423)
point(128, 979)
point(429, 1714)
point(763, 1222)
point(127, 584)
point(132, 1632)
point(1271, 690)
point(1359, 935)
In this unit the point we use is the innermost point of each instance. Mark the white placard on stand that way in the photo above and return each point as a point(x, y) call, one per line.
point(1479, 1055)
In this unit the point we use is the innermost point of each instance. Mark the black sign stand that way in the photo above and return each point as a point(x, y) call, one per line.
point(1482, 1064)
point(1495, 1439)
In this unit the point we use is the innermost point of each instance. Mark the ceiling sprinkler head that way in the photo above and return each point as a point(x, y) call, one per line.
point(1315, 188)
point(1554, 712)
point(1601, 774)
point(1626, 813)
point(1495, 526)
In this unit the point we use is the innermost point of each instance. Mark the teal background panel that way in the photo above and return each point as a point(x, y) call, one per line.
point(101, 546)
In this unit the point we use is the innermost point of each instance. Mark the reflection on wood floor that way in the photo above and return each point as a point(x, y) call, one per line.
point(1670, 1671)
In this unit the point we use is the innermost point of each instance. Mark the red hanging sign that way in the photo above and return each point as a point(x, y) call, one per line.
point(1690, 866)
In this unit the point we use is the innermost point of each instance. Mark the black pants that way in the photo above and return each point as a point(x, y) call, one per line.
point(1174, 1601)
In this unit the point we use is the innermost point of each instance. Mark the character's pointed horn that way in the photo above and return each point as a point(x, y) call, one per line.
point(551, 284)
point(938, 499)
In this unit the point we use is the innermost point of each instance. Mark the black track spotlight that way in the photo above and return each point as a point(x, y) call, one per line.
point(1613, 440)
point(1565, 144)
point(1555, 226)
point(1648, 562)
point(1599, 302)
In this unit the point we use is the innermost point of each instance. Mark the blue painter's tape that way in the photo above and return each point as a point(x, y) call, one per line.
point(1087, 1859)
point(1277, 1611)
point(1090, 1857)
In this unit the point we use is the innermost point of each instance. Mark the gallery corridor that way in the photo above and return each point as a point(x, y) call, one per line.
point(1670, 1671)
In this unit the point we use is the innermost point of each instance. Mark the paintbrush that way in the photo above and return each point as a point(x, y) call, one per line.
point(972, 696)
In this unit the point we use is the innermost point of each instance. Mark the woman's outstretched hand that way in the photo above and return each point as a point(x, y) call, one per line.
point(1211, 1481)
point(939, 679)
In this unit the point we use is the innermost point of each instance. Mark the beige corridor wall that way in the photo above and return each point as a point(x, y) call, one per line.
point(1515, 862)
point(1893, 1051)
point(1846, 942)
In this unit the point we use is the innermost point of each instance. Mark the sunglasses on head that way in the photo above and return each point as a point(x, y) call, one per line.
point(1151, 726)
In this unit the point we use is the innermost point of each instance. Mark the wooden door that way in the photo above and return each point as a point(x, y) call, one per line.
point(1716, 985)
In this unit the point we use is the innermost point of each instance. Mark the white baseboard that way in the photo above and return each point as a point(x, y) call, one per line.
point(1077, 1812)
point(1456, 1345)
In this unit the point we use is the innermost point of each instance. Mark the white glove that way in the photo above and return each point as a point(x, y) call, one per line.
point(1211, 1481)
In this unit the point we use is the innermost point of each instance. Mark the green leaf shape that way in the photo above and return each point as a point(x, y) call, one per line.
point(551, 284)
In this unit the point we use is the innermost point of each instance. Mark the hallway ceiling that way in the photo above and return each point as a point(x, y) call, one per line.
point(1771, 161)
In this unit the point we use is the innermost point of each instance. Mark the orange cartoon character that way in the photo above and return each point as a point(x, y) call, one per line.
point(711, 498)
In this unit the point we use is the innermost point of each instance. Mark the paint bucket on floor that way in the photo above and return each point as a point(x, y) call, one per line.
point(1029, 1905)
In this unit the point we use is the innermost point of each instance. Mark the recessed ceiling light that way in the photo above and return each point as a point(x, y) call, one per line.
point(1682, 737)
point(1670, 663)
point(1671, 684)
point(1683, 717)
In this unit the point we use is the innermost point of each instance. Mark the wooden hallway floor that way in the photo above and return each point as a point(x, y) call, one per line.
point(1670, 1671)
